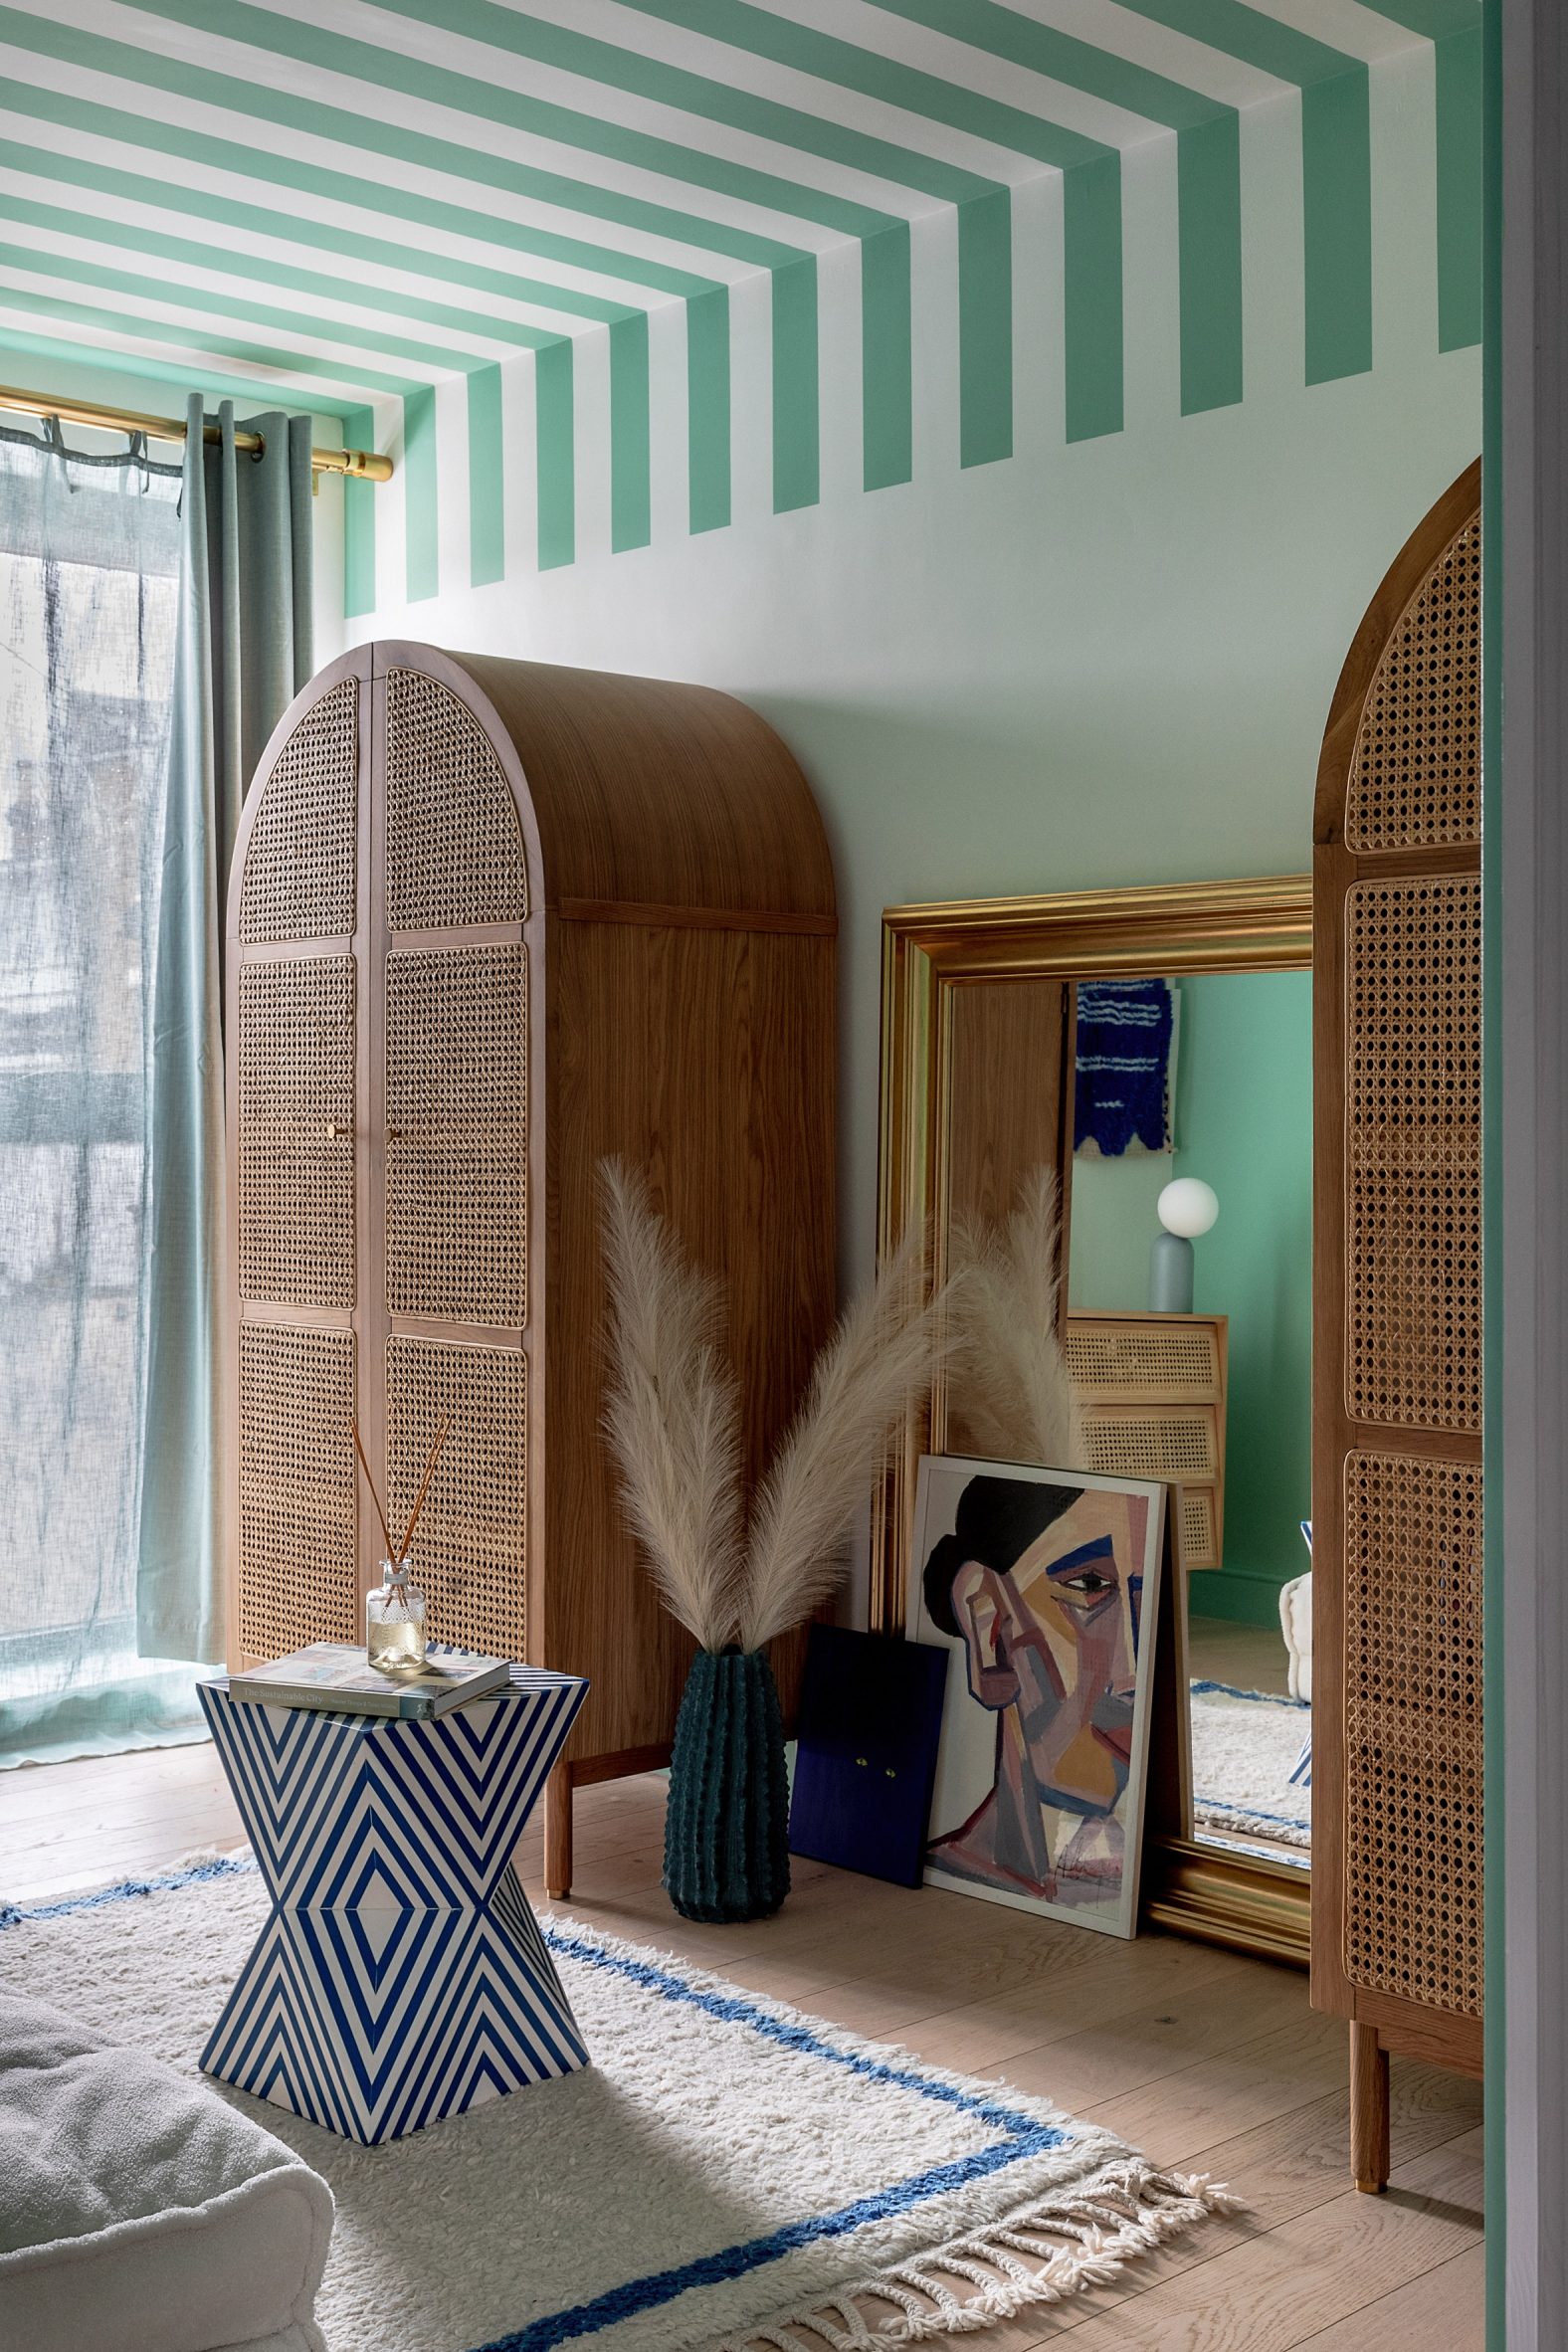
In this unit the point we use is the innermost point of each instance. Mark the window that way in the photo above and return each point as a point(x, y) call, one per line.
point(89, 562)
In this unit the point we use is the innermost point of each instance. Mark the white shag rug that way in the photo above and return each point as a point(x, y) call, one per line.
point(724, 2165)
point(1246, 1744)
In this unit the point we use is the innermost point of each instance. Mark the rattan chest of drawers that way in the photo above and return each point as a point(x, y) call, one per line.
point(1153, 1390)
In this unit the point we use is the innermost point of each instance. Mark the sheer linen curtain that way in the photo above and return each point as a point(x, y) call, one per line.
point(157, 624)
point(89, 575)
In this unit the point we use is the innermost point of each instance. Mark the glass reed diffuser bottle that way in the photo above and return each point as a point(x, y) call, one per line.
point(395, 1619)
point(395, 1614)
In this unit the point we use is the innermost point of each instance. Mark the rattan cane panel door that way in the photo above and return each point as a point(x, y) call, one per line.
point(1413, 1244)
point(1413, 1728)
point(1414, 780)
point(302, 867)
point(471, 1551)
point(455, 851)
point(299, 1531)
point(456, 1133)
point(296, 1176)
point(1397, 1879)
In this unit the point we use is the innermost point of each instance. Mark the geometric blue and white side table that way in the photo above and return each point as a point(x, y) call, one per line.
point(400, 1976)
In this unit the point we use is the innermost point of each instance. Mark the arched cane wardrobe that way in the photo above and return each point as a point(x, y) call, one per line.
point(1397, 1929)
point(489, 921)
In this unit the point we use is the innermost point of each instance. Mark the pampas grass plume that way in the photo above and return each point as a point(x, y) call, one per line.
point(672, 1414)
point(1009, 1378)
point(881, 1355)
point(672, 1410)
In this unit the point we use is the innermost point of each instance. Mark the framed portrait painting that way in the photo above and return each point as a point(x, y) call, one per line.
point(1043, 1587)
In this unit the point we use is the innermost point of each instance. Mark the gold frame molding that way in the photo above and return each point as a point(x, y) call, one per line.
point(931, 951)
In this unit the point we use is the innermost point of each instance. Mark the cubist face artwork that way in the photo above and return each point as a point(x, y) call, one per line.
point(1043, 1583)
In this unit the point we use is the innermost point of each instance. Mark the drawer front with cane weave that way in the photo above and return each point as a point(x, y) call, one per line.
point(1154, 1392)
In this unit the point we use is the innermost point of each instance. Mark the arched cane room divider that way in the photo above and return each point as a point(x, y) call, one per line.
point(1397, 1929)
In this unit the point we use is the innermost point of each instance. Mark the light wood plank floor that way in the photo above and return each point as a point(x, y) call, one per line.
point(1253, 1657)
point(1202, 2059)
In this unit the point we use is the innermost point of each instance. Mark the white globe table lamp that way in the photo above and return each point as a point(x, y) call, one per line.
point(1187, 1207)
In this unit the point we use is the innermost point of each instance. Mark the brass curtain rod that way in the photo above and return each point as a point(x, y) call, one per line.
point(361, 465)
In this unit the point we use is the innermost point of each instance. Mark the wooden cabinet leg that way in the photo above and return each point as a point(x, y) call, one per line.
point(1368, 2110)
point(558, 1834)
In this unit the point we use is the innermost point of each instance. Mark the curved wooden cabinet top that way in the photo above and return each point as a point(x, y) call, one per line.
point(646, 796)
point(646, 792)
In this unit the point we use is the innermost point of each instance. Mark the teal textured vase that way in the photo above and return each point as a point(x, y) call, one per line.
point(726, 1831)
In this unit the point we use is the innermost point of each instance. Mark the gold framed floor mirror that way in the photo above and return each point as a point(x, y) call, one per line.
point(980, 1017)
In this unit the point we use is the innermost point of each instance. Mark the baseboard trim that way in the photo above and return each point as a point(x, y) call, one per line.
point(1236, 1597)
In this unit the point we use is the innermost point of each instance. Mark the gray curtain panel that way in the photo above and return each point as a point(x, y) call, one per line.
point(242, 652)
point(89, 572)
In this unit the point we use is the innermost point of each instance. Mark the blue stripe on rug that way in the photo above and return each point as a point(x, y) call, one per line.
point(662, 2286)
point(732, 2010)
point(1286, 1821)
point(1024, 2136)
point(221, 1865)
point(1268, 1699)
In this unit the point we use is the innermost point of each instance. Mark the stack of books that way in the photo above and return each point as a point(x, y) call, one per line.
point(334, 1676)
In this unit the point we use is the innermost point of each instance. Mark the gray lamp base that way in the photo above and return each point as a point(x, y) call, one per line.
point(1170, 1274)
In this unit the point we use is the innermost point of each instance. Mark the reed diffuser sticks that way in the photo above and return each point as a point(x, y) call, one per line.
point(424, 1487)
point(359, 1448)
point(398, 1553)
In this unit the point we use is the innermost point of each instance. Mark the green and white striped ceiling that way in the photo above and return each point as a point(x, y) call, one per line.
point(356, 207)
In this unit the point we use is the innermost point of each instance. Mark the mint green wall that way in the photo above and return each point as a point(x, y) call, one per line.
point(1244, 1123)
point(1113, 1223)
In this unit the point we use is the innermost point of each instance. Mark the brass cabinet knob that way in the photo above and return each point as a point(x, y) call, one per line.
point(336, 1133)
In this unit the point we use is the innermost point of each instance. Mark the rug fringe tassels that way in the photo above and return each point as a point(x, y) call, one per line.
point(1126, 2211)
